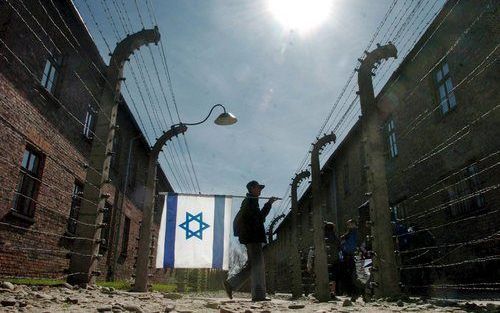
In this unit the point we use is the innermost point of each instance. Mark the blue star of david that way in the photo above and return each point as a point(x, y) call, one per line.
point(198, 218)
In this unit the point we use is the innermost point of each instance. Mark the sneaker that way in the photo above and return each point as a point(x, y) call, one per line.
point(333, 297)
point(261, 299)
point(228, 289)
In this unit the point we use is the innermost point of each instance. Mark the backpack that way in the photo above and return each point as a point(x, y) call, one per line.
point(237, 224)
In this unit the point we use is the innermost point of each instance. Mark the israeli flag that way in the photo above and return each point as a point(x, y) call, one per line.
point(194, 232)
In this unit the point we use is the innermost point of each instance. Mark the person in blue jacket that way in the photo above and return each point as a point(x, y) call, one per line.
point(347, 273)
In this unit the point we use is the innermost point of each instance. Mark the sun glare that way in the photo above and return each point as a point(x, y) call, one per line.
point(302, 16)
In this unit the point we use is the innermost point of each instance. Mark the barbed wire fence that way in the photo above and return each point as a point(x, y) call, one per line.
point(395, 26)
point(435, 259)
point(54, 201)
point(451, 238)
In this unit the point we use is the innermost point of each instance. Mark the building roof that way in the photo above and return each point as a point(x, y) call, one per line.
point(97, 57)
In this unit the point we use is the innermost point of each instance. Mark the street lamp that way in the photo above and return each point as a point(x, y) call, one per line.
point(223, 119)
point(143, 253)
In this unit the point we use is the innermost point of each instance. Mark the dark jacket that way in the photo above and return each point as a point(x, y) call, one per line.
point(250, 220)
point(350, 242)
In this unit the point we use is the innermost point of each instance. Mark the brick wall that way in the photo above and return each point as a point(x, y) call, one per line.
point(22, 124)
point(53, 125)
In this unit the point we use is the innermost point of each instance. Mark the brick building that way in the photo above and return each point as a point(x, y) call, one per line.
point(441, 117)
point(50, 80)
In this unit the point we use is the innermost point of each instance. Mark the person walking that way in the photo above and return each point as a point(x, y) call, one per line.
point(249, 227)
point(348, 280)
point(332, 245)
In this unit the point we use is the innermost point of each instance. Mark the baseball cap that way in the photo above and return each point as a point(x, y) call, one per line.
point(254, 183)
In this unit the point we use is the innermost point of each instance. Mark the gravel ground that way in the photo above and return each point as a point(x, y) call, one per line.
point(20, 298)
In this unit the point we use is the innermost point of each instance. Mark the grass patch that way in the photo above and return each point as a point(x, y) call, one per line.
point(165, 287)
point(119, 285)
point(35, 281)
point(124, 285)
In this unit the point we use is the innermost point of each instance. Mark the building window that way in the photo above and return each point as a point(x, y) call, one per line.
point(126, 233)
point(346, 178)
point(309, 217)
point(106, 219)
point(51, 73)
point(88, 125)
point(399, 211)
point(133, 165)
point(115, 157)
point(76, 202)
point(391, 138)
point(444, 85)
point(463, 195)
point(300, 230)
point(29, 183)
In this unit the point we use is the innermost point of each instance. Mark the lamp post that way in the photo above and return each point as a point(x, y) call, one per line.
point(141, 272)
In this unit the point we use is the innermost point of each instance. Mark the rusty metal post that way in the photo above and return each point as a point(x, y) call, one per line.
point(297, 288)
point(386, 277)
point(320, 257)
point(83, 262)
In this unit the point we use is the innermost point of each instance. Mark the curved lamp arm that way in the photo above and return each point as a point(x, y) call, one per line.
point(206, 118)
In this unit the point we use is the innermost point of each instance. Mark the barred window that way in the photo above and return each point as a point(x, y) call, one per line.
point(29, 183)
point(399, 211)
point(89, 124)
point(465, 195)
point(444, 85)
point(391, 138)
point(115, 157)
point(76, 202)
point(106, 219)
point(125, 237)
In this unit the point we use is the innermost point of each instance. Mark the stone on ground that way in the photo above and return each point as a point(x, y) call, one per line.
point(9, 302)
point(296, 306)
point(347, 302)
point(7, 285)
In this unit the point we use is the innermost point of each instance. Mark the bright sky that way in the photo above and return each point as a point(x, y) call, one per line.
point(280, 83)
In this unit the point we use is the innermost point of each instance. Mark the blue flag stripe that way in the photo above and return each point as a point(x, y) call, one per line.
point(169, 257)
point(218, 245)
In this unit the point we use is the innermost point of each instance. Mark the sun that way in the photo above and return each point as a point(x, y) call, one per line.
point(302, 16)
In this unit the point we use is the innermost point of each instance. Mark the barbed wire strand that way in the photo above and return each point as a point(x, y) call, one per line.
point(110, 18)
point(47, 233)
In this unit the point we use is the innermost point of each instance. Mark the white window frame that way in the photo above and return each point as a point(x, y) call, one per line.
point(444, 84)
point(88, 124)
point(391, 138)
point(51, 73)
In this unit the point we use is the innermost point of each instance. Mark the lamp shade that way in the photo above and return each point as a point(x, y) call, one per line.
point(226, 118)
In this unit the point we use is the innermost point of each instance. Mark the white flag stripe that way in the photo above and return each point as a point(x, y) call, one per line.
point(227, 231)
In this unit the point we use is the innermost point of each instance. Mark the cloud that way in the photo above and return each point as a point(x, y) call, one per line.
point(266, 100)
